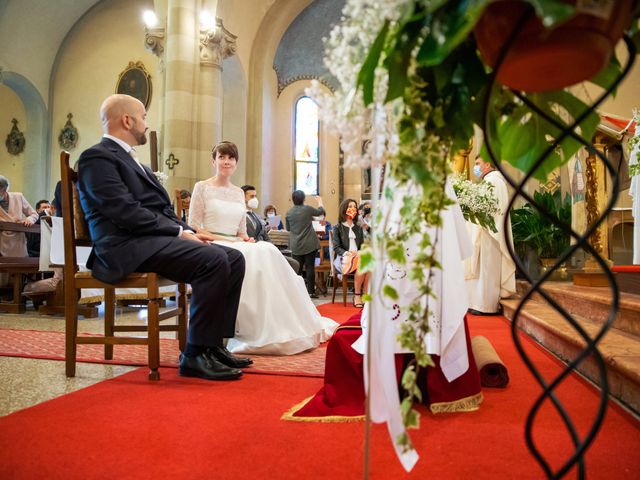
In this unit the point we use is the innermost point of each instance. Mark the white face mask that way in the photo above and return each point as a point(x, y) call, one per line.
point(271, 214)
point(253, 203)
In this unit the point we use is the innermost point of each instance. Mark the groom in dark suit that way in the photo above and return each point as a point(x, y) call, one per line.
point(134, 228)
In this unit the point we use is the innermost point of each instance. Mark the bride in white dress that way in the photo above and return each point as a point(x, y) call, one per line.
point(276, 315)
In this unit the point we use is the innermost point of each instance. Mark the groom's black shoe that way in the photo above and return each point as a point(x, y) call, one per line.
point(229, 359)
point(204, 366)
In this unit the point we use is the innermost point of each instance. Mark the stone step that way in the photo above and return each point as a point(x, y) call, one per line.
point(592, 303)
point(619, 349)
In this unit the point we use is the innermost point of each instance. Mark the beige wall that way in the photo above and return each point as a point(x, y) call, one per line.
point(12, 166)
point(93, 56)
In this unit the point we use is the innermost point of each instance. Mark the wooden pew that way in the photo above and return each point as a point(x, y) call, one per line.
point(17, 268)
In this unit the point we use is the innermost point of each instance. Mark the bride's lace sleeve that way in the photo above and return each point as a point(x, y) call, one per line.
point(242, 228)
point(196, 207)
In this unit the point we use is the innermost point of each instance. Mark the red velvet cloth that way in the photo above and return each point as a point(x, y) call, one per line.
point(626, 268)
point(343, 392)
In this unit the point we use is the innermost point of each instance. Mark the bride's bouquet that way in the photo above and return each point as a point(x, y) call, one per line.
point(478, 202)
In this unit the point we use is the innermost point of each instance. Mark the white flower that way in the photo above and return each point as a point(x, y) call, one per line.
point(161, 177)
point(344, 112)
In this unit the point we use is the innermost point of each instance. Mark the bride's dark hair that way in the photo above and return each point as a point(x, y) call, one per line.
point(225, 148)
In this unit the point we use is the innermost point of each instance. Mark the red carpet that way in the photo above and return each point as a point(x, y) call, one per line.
point(188, 428)
point(50, 345)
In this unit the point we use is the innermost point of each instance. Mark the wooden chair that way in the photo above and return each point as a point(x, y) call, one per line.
point(334, 275)
point(181, 212)
point(323, 268)
point(76, 233)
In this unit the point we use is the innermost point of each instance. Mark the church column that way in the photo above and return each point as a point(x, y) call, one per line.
point(181, 65)
point(216, 44)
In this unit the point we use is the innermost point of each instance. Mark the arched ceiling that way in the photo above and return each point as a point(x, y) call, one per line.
point(31, 32)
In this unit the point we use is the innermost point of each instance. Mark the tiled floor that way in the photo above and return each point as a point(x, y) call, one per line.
point(25, 382)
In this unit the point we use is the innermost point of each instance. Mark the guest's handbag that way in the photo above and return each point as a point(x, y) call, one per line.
point(350, 262)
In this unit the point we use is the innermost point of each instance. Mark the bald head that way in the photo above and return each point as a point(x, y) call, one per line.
point(124, 117)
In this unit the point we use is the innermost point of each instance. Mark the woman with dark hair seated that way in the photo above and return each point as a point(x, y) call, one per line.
point(347, 240)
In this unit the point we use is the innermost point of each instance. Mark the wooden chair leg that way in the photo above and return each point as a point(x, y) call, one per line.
point(335, 286)
point(183, 305)
point(153, 338)
point(109, 319)
point(344, 290)
point(71, 331)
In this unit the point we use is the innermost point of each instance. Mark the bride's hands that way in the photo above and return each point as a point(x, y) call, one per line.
point(248, 239)
point(199, 236)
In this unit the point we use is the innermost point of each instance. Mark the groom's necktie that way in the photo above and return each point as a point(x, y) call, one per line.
point(253, 219)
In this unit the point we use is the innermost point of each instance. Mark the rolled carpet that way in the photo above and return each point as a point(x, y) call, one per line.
point(493, 372)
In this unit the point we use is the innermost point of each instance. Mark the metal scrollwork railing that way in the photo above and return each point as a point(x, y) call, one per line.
point(581, 442)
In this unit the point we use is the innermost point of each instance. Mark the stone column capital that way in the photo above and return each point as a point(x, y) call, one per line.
point(216, 44)
point(154, 42)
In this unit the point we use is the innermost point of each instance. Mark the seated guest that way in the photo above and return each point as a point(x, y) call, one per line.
point(13, 208)
point(347, 240)
point(270, 212)
point(185, 198)
point(43, 208)
point(275, 315)
point(256, 227)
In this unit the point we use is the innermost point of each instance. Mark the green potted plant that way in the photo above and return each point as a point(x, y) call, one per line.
point(534, 232)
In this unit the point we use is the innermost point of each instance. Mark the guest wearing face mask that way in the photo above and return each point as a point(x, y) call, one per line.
point(270, 212)
point(256, 227)
point(347, 240)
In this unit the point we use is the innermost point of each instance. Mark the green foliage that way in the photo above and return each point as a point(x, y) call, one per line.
point(523, 135)
point(434, 68)
point(531, 229)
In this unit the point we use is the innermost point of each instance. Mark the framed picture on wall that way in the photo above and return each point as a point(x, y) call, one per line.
point(135, 81)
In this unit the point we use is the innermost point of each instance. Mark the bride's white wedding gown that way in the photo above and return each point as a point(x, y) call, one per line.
point(276, 315)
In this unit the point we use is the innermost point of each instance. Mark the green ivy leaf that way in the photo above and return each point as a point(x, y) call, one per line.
point(390, 292)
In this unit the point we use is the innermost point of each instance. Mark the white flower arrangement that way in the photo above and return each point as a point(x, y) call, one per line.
point(344, 111)
point(161, 177)
point(478, 202)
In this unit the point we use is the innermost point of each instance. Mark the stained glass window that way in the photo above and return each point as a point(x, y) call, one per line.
point(307, 128)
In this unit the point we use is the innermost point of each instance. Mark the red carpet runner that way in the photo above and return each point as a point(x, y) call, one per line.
point(129, 428)
point(50, 346)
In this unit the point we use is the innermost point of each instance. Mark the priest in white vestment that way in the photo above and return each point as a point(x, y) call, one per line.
point(490, 272)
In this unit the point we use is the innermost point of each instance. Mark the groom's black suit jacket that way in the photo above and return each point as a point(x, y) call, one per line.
point(129, 212)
